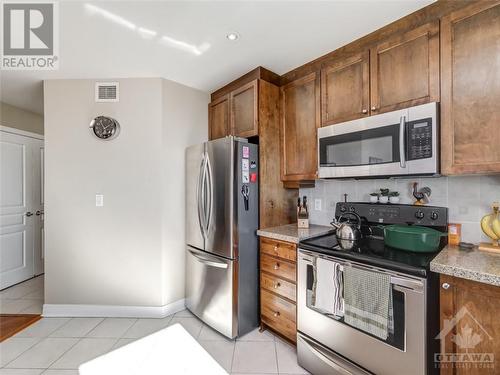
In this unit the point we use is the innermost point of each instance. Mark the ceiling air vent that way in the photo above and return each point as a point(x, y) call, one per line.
point(107, 92)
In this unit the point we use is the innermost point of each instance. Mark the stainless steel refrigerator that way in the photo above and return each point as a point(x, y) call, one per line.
point(222, 213)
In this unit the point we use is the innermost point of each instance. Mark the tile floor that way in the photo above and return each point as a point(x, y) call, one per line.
point(23, 298)
point(57, 346)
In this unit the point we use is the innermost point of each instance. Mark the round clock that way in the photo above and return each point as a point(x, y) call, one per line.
point(105, 127)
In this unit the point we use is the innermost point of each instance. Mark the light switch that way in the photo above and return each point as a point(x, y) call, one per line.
point(99, 200)
point(317, 204)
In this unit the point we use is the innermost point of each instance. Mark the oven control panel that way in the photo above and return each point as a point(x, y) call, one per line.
point(395, 213)
point(419, 139)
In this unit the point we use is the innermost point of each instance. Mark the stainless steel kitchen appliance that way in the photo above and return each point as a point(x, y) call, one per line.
point(222, 196)
point(398, 143)
point(326, 344)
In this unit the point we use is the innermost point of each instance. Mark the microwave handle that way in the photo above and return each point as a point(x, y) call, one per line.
point(402, 156)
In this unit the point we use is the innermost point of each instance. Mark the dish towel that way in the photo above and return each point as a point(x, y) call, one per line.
point(325, 290)
point(366, 301)
point(338, 282)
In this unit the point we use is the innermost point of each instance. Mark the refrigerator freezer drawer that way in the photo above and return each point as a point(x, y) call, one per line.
point(209, 290)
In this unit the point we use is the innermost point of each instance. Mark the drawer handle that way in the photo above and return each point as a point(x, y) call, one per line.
point(276, 266)
point(277, 285)
point(276, 314)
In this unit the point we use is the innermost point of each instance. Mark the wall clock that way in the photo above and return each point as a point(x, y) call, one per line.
point(104, 127)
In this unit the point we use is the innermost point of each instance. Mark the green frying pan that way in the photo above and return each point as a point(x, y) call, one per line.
point(413, 238)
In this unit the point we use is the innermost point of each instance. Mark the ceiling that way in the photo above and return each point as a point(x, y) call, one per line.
point(185, 41)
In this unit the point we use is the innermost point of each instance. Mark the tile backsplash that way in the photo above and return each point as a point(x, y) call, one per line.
point(468, 198)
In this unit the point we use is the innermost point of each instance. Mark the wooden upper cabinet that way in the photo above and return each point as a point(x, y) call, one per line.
point(470, 90)
point(345, 89)
point(218, 118)
point(404, 71)
point(244, 110)
point(300, 119)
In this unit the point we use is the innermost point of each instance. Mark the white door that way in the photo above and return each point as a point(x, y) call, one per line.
point(38, 219)
point(17, 204)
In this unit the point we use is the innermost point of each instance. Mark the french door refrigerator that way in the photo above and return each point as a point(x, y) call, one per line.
point(222, 210)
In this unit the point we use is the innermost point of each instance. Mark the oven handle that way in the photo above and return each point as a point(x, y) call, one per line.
point(406, 283)
point(325, 357)
point(402, 156)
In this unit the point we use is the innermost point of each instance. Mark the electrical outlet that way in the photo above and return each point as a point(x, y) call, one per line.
point(99, 200)
point(317, 204)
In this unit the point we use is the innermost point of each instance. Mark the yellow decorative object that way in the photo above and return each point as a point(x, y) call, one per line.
point(490, 224)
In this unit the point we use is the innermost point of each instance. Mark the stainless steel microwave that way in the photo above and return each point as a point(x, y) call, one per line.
point(398, 143)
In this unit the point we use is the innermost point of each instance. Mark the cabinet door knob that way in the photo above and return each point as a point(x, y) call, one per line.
point(277, 313)
point(374, 108)
point(445, 286)
point(276, 248)
point(277, 285)
point(364, 111)
point(276, 266)
point(29, 214)
point(38, 213)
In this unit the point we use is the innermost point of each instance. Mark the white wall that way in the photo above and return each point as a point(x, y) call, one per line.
point(18, 118)
point(468, 198)
point(185, 122)
point(117, 254)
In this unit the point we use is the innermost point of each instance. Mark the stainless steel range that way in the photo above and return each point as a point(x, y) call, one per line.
point(403, 343)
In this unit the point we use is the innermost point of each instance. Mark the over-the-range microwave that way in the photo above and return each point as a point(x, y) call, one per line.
point(398, 143)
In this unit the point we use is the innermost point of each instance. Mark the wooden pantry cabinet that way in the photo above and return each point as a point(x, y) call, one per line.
point(469, 312)
point(278, 277)
point(300, 118)
point(249, 107)
point(470, 90)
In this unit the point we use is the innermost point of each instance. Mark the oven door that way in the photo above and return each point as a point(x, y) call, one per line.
point(404, 351)
point(371, 146)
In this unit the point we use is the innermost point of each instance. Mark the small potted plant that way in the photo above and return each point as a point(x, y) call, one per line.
point(373, 197)
point(384, 196)
point(394, 197)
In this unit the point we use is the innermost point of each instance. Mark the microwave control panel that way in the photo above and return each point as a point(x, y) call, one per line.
point(419, 135)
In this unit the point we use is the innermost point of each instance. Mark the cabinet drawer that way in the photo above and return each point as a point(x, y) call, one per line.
point(278, 267)
point(279, 314)
point(279, 286)
point(279, 249)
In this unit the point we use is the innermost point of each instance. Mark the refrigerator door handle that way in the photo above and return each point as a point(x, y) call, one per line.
point(210, 194)
point(200, 196)
point(207, 261)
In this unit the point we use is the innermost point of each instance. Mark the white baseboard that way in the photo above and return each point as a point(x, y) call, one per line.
point(112, 311)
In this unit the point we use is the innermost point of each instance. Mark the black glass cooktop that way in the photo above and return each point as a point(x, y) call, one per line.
point(371, 250)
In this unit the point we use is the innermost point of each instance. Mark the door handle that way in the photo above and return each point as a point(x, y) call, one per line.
point(209, 193)
point(199, 194)
point(208, 262)
point(29, 214)
point(402, 157)
point(38, 213)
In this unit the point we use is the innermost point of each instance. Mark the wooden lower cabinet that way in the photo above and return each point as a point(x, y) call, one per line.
point(470, 326)
point(278, 290)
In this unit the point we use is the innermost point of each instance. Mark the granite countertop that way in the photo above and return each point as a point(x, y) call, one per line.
point(290, 232)
point(473, 265)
